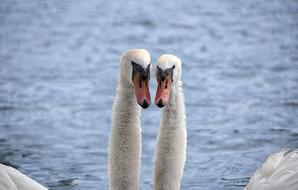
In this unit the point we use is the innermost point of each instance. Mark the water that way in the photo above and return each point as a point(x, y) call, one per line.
point(59, 66)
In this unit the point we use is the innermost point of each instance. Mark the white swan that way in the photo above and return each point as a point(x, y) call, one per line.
point(279, 172)
point(12, 179)
point(171, 140)
point(125, 136)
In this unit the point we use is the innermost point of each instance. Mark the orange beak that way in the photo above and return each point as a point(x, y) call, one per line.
point(141, 88)
point(163, 91)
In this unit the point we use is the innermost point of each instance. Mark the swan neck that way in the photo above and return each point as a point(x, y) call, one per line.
point(171, 145)
point(125, 140)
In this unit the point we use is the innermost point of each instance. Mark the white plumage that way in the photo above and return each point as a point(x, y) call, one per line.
point(125, 137)
point(171, 140)
point(279, 172)
point(12, 179)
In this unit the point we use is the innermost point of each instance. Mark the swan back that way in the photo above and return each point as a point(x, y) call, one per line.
point(12, 179)
point(279, 172)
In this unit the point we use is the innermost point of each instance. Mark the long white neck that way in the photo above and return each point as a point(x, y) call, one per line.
point(125, 140)
point(171, 143)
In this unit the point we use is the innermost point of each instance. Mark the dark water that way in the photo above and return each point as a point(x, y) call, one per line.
point(59, 66)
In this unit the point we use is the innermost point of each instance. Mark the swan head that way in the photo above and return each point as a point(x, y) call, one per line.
point(135, 69)
point(168, 73)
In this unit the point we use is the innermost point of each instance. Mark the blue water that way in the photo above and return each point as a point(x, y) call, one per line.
point(59, 65)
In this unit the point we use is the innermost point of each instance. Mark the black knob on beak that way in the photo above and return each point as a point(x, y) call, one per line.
point(145, 104)
point(160, 104)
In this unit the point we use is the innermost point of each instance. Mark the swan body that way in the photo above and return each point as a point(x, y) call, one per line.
point(125, 135)
point(12, 179)
point(171, 140)
point(279, 172)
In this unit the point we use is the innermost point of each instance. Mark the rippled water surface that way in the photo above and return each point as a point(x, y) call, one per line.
point(59, 66)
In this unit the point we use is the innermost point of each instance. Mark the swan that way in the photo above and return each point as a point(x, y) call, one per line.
point(279, 171)
point(172, 136)
point(125, 136)
point(12, 179)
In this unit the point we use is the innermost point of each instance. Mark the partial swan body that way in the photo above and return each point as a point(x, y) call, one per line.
point(125, 136)
point(171, 140)
point(279, 172)
point(12, 179)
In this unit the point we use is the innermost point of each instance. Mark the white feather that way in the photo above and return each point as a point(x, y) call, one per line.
point(12, 179)
point(171, 140)
point(279, 172)
point(125, 136)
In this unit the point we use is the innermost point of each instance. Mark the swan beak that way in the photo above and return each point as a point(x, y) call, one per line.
point(163, 91)
point(141, 88)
